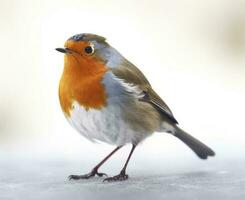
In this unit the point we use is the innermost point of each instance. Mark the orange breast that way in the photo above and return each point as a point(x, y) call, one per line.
point(81, 82)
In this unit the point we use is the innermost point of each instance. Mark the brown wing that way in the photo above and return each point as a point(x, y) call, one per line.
point(131, 74)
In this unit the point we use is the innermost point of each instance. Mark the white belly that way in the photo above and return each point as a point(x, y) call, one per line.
point(106, 125)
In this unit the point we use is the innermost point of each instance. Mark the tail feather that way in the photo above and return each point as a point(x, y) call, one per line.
point(202, 150)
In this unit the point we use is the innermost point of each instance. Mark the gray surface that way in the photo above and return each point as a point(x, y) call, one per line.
point(28, 178)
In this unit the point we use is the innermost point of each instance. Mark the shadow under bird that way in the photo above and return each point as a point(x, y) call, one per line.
point(106, 98)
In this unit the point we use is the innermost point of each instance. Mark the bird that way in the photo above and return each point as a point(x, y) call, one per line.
point(108, 99)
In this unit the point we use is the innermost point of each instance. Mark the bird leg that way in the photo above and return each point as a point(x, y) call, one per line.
point(122, 175)
point(95, 169)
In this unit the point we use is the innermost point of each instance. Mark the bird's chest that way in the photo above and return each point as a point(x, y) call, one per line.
point(88, 92)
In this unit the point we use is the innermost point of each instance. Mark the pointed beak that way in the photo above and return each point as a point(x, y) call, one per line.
point(63, 50)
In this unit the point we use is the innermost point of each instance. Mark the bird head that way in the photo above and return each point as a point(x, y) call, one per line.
point(89, 54)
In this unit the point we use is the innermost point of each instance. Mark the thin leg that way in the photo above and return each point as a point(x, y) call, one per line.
point(122, 175)
point(95, 169)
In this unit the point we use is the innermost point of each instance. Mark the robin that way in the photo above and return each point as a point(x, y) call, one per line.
point(106, 98)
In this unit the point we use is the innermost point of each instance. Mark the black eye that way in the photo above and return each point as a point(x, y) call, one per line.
point(89, 50)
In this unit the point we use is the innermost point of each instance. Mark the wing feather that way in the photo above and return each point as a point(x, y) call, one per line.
point(132, 75)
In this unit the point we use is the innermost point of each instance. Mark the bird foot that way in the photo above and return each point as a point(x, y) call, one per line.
point(119, 177)
point(87, 176)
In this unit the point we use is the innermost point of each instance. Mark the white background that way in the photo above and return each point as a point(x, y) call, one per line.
point(191, 51)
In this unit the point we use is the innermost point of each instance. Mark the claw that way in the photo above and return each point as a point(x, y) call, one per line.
point(77, 177)
point(119, 177)
point(86, 176)
point(74, 177)
point(101, 174)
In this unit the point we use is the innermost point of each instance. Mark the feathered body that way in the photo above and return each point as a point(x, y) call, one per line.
point(106, 98)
